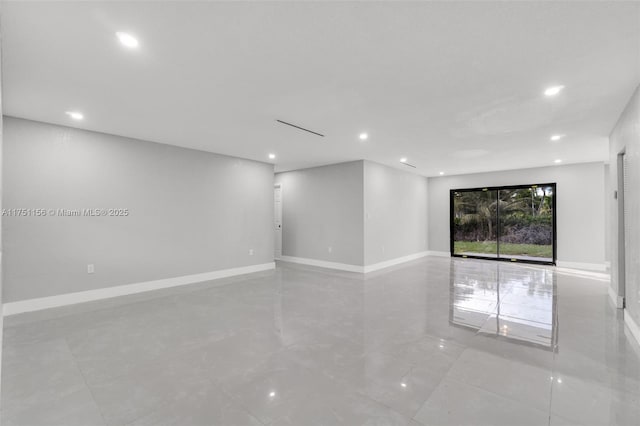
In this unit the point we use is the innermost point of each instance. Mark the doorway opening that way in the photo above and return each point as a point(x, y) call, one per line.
point(622, 225)
point(277, 216)
point(510, 223)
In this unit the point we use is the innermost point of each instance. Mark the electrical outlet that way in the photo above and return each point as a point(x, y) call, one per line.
point(250, 252)
point(330, 249)
point(90, 268)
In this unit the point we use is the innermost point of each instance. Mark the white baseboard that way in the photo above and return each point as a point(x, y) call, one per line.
point(396, 261)
point(30, 305)
point(600, 267)
point(616, 300)
point(438, 253)
point(323, 264)
point(354, 268)
point(633, 326)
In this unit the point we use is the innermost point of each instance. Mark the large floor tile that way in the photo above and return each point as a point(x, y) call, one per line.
point(514, 380)
point(272, 393)
point(74, 409)
point(434, 341)
point(206, 406)
point(456, 403)
point(232, 359)
point(342, 409)
point(589, 403)
point(407, 394)
point(126, 398)
point(38, 374)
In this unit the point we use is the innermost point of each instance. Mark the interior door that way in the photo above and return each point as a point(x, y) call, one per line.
point(277, 214)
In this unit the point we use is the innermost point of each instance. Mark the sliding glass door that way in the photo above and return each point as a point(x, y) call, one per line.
point(514, 223)
point(475, 222)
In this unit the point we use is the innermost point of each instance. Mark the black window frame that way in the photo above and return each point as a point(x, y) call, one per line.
point(497, 189)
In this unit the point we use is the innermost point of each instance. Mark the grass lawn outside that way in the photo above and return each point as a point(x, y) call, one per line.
point(490, 247)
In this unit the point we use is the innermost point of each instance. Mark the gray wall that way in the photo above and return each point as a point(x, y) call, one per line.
point(366, 212)
point(395, 207)
point(190, 211)
point(626, 136)
point(580, 206)
point(322, 207)
point(1, 219)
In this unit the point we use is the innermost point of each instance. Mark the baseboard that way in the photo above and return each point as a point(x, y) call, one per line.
point(600, 267)
point(616, 300)
point(323, 264)
point(393, 262)
point(353, 268)
point(633, 326)
point(30, 305)
point(439, 253)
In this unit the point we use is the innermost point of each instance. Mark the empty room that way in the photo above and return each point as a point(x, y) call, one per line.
point(320, 213)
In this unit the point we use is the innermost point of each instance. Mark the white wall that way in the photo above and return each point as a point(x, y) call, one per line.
point(395, 207)
point(366, 212)
point(580, 208)
point(190, 212)
point(626, 136)
point(1, 219)
point(322, 210)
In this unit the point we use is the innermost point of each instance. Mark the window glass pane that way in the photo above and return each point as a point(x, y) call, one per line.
point(526, 223)
point(475, 223)
point(508, 223)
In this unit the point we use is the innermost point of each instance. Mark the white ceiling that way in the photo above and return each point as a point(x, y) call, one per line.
point(455, 87)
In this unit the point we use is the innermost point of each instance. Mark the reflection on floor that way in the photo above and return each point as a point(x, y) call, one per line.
point(498, 299)
point(418, 344)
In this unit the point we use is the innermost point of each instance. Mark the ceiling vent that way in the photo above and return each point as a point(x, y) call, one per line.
point(300, 128)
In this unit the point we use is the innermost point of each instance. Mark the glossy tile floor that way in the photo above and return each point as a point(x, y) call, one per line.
point(436, 341)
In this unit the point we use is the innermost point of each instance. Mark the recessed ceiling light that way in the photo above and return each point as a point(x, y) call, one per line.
point(75, 115)
point(127, 40)
point(272, 394)
point(441, 173)
point(363, 136)
point(558, 161)
point(553, 90)
point(272, 156)
point(556, 138)
point(403, 160)
point(403, 384)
